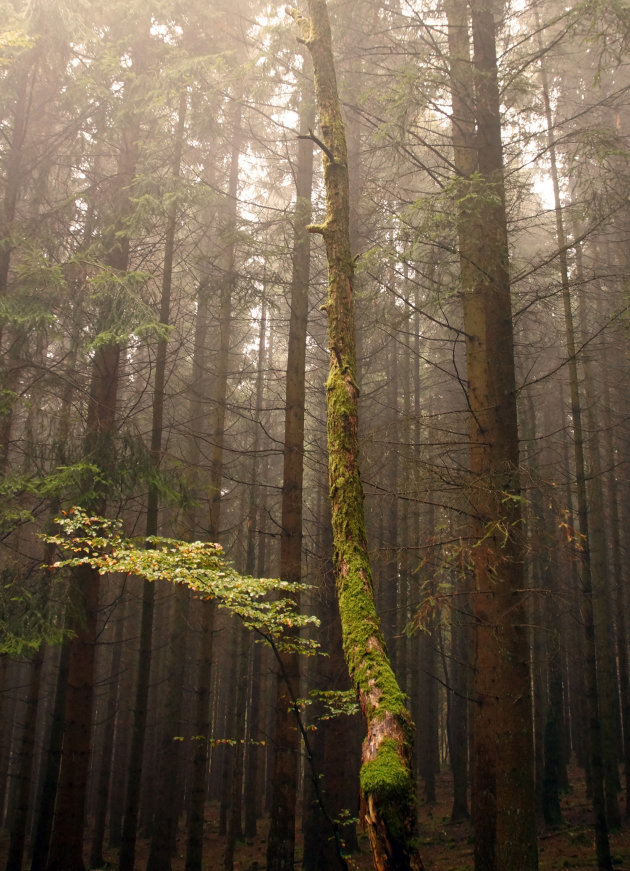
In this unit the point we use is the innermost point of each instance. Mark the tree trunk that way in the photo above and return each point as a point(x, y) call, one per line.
point(596, 760)
point(163, 834)
point(104, 779)
point(194, 852)
point(27, 748)
point(14, 336)
point(130, 823)
point(281, 840)
point(66, 849)
point(45, 809)
point(388, 807)
point(238, 675)
point(503, 788)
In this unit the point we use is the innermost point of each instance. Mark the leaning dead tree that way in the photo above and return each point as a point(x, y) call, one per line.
point(387, 786)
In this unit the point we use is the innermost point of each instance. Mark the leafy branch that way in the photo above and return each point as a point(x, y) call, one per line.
point(263, 604)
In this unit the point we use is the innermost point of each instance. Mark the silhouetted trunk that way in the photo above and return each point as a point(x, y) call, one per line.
point(13, 337)
point(134, 779)
point(104, 779)
point(253, 750)
point(281, 840)
point(198, 779)
point(457, 713)
point(427, 720)
point(52, 762)
point(27, 747)
point(165, 818)
point(238, 680)
point(66, 848)
point(552, 737)
point(596, 760)
point(194, 852)
point(464, 149)
point(332, 742)
point(251, 699)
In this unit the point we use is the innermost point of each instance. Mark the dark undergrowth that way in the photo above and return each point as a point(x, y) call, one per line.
point(445, 845)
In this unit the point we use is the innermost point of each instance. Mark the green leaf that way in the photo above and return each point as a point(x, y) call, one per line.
point(266, 605)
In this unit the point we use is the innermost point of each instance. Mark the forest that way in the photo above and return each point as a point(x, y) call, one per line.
point(314, 444)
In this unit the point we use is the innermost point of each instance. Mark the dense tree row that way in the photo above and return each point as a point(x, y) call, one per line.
point(164, 360)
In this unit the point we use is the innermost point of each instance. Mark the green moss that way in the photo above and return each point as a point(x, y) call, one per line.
point(386, 777)
point(364, 644)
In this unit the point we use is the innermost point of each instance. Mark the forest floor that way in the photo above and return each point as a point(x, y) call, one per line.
point(448, 846)
point(445, 846)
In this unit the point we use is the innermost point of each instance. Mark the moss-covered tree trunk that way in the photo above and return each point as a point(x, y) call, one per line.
point(388, 789)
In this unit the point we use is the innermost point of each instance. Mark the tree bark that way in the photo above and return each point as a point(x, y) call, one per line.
point(596, 758)
point(281, 841)
point(502, 767)
point(27, 747)
point(52, 762)
point(164, 830)
point(194, 851)
point(104, 777)
point(388, 789)
point(140, 711)
point(66, 849)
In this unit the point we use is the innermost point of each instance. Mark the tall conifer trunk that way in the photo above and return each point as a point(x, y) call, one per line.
point(13, 337)
point(130, 824)
point(66, 848)
point(388, 789)
point(596, 758)
point(194, 851)
point(281, 842)
point(502, 766)
point(27, 748)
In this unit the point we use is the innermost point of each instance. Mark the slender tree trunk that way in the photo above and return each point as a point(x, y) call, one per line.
point(552, 737)
point(463, 132)
point(239, 681)
point(104, 779)
point(335, 739)
point(457, 713)
point(427, 721)
point(252, 697)
point(253, 749)
point(388, 808)
point(608, 686)
point(27, 748)
point(194, 852)
point(13, 338)
point(198, 779)
point(596, 760)
point(66, 849)
point(134, 779)
point(45, 810)
point(198, 776)
point(164, 830)
point(281, 840)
